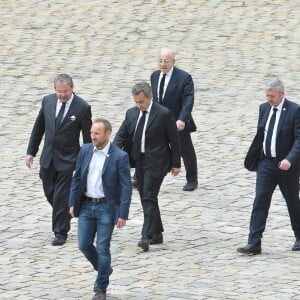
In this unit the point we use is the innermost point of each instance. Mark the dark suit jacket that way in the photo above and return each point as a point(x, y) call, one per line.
point(116, 179)
point(179, 96)
point(287, 139)
point(162, 148)
point(61, 145)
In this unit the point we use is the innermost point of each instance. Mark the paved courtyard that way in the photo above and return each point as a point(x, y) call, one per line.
point(231, 48)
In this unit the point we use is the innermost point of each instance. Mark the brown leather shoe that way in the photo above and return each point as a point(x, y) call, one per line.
point(99, 295)
point(250, 249)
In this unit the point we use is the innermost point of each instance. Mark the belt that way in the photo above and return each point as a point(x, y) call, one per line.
point(96, 200)
point(273, 159)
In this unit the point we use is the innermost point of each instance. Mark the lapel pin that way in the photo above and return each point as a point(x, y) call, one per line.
point(72, 118)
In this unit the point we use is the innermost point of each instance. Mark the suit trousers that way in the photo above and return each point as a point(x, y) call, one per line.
point(188, 155)
point(149, 184)
point(268, 177)
point(56, 185)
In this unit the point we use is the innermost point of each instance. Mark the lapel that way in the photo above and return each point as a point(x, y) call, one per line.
point(172, 83)
point(153, 114)
point(52, 111)
point(155, 84)
point(283, 114)
point(107, 159)
point(86, 164)
point(71, 111)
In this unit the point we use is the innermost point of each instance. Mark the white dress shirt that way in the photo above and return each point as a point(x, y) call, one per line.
point(59, 104)
point(273, 140)
point(167, 79)
point(94, 188)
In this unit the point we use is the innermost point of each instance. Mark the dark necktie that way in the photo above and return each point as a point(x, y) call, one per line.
point(60, 115)
point(270, 133)
point(161, 88)
point(137, 139)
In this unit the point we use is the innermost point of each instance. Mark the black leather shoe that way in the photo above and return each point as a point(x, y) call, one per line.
point(157, 239)
point(296, 246)
point(144, 243)
point(58, 241)
point(250, 249)
point(190, 186)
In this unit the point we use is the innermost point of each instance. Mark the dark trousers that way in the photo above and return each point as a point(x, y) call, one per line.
point(268, 177)
point(148, 186)
point(56, 187)
point(188, 155)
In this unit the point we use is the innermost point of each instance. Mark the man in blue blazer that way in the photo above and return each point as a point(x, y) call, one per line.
point(61, 119)
point(100, 196)
point(157, 153)
point(174, 89)
point(275, 155)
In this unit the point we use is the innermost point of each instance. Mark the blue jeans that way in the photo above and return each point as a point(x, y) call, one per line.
point(97, 218)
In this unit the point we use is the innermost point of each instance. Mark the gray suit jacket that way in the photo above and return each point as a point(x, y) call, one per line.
point(61, 145)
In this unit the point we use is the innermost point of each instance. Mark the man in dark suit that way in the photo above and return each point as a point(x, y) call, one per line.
point(100, 196)
point(62, 117)
point(275, 154)
point(174, 89)
point(155, 151)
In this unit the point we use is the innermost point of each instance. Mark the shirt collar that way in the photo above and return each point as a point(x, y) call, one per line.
point(169, 74)
point(104, 150)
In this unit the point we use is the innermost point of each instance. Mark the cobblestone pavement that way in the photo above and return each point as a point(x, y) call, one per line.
point(231, 48)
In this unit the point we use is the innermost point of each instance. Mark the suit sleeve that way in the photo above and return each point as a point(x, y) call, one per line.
point(294, 154)
point(173, 140)
point(73, 198)
point(187, 99)
point(125, 186)
point(37, 133)
point(86, 124)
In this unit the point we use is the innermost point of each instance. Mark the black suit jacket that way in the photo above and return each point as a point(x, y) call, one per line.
point(162, 148)
point(179, 96)
point(287, 138)
point(61, 145)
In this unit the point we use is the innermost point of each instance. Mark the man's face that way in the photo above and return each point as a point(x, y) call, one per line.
point(63, 91)
point(165, 61)
point(98, 135)
point(142, 102)
point(274, 96)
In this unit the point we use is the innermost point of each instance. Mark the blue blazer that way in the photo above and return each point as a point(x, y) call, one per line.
point(287, 139)
point(116, 179)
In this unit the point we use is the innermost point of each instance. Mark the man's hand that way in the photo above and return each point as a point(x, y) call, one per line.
point(121, 223)
point(29, 161)
point(284, 165)
point(175, 171)
point(180, 125)
point(71, 211)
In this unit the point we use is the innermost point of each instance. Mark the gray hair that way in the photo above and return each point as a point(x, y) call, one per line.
point(63, 78)
point(275, 84)
point(142, 87)
point(168, 50)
